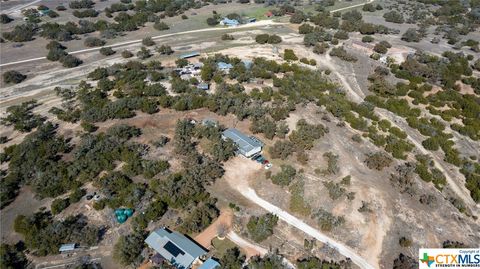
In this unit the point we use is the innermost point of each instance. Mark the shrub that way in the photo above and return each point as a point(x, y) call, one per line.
point(367, 39)
point(260, 228)
point(56, 54)
point(107, 51)
point(266, 38)
point(285, 176)
point(161, 26)
point(404, 242)
point(4, 18)
point(341, 35)
point(411, 35)
point(93, 42)
point(380, 48)
point(393, 16)
point(81, 4)
point(289, 55)
point(327, 220)
point(148, 41)
point(70, 61)
point(58, 205)
point(378, 160)
point(369, 7)
point(127, 54)
point(341, 53)
point(21, 33)
point(13, 76)
point(227, 37)
point(87, 13)
point(281, 149)
point(164, 49)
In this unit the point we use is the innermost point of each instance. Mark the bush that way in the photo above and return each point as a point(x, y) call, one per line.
point(81, 4)
point(21, 33)
point(22, 118)
point(76, 195)
point(289, 55)
point(369, 7)
point(128, 249)
point(285, 176)
point(378, 160)
point(367, 39)
point(380, 48)
point(266, 38)
point(70, 61)
point(13, 76)
point(341, 53)
point(281, 149)
point(161, 26)
point(411, 35)
point(107, 51)
point(127, 54)
point(87, 13)
point(227, 37)
point(143, 53)
point(56, 54)
point(58, 205)
point(260, 228)
point(93, 42)
point(164, 50)
point(393, 16)
point(148, 41)
point(4, 19)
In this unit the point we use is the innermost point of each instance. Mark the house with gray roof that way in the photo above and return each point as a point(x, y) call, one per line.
point(248, 146)
point(174, 247)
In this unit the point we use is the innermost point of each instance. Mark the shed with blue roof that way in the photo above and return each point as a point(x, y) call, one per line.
point(210, 264)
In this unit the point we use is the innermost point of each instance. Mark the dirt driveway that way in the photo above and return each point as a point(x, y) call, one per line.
point(225, 219)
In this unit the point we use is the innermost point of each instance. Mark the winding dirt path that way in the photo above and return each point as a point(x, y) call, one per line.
point(358, 96)
point(237, 173)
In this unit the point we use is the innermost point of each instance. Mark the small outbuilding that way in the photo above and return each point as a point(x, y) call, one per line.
point(210, 264)
point(189, 55)
point(229, 22)
point(203, 86)
point(67, 247)
point(223, 66)
point(248, 146)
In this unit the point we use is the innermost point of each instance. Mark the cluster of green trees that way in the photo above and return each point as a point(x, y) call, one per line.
point(261, 227)
point(12, 256)
point(43, 235)
point(266, 38)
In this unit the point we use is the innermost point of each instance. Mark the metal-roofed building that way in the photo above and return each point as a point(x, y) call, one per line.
point(67, 247)
point(210, 264)
point(190, 55)
point(229, 22)
point(247, 146)
point(174, 247)
point(223, 66)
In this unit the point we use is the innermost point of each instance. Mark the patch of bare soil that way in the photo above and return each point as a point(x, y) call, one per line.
point(223, 222)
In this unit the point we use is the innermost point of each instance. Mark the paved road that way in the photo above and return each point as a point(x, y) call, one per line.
point(251, 195)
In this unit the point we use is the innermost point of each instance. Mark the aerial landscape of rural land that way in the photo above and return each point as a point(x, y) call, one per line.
point(230, 134)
